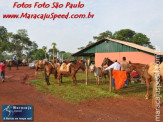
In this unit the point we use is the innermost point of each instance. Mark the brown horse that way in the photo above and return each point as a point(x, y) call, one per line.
point(146, 72)
point(66, 61)
point(39, 65)
point(72, 70)
point(12, 63)
point(106, 62)
point(50, 68)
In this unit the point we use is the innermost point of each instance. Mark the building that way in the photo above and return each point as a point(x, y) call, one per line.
point(116, 49)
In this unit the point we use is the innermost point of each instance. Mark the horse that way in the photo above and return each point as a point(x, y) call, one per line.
point(12, 63)
point(71, 70)
point(54, 61)
point(106, 62)
point(24, 62)
point(50, 68)
point(146, 71)
point(66, 61)
point(39, 64)
point(97, 73)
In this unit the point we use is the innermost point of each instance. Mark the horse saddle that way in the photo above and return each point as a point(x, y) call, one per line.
point(65, 67)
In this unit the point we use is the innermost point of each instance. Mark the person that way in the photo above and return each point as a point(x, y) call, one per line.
point(14, 58)
point(134, 74)
point(2, 70)
point(125, 67)
point(115, 66)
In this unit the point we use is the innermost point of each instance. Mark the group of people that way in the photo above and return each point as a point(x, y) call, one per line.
point(2, 68)
point(120, 66)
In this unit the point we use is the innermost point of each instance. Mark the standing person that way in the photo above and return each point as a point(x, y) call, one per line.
point(115, 66)
point(125, 67)
point(2, 70)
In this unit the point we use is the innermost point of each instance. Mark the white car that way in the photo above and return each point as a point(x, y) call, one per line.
point(32, 65)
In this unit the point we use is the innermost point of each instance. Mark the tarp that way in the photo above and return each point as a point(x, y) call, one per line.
point(120, 78)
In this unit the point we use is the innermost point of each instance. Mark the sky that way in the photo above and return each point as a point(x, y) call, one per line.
point(144, 16)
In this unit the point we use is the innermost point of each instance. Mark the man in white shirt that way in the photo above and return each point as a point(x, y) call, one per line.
point(115, 66)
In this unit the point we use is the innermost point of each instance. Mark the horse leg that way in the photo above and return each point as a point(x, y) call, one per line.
point(72, 77)
point(59, 79)
point(55, 74)
point(102, 75)
point(36, 72)
point(105, 79)
point(47, 75)
point(147, 84)
point(75, 80)
point(98, 80)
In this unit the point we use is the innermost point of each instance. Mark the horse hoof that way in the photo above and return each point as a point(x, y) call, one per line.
point(147, 98)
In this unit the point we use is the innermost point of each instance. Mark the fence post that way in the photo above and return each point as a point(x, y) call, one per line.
point(110, 80)
point(86, 82)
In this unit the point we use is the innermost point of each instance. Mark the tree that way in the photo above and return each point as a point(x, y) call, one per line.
point(54, 45)
point(133, 37)
point(141, 39)
point(106, 34)
point(44, 48)
point(39, 54)
point(3, 40)
point(124, 35)
point(80, 48)
point(3, 34)
point(67, 55)
point(32, 49)
point(89, 43)
point(20, 43)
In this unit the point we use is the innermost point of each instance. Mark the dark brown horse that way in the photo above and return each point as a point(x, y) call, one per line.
point(12, 63)
point(66, 61)
point(106, 62)
point(72, 70)
point(50, 68)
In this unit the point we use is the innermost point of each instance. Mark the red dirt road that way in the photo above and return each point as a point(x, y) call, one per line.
point(16, 90)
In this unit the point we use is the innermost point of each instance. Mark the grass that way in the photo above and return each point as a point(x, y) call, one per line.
point(81, 92)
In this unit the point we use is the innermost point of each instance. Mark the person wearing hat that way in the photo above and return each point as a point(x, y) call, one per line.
point(125, 67)
point(2, 70)
point(14, 58)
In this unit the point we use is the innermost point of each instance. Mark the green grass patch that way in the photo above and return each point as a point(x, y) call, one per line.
point(81, 92)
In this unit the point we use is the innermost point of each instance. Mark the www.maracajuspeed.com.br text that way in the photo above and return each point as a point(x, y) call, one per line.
point(45, 16)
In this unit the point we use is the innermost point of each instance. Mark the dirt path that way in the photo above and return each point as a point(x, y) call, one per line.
point(16, 90)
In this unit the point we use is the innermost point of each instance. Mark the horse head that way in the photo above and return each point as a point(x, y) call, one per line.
point(92, 67)
point(81, 63)
point(106, 61)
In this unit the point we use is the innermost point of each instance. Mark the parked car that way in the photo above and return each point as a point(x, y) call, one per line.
point(32, 65)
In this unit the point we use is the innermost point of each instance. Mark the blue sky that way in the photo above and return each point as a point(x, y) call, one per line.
point(145, 16)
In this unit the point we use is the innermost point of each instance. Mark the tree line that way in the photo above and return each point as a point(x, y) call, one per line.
point(20, 44)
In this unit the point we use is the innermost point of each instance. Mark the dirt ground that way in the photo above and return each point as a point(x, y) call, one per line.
point(17, 90)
